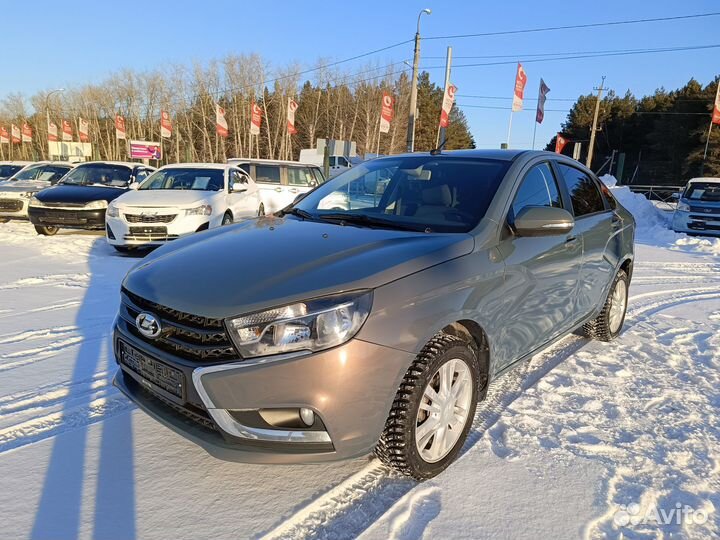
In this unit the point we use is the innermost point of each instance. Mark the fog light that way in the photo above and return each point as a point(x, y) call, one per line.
point(307, 416)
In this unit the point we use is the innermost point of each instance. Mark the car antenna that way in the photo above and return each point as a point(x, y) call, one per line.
point(437, 151)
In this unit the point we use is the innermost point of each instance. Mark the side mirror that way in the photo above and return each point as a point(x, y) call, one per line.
point(237, 187)
point(675, 196)
point(312, 183)
point(543, 221)
point(134, 186)
point(299, 197)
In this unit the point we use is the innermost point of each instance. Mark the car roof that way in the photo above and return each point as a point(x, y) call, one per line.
point(199, 165)
point(709, 180)
point(232, 161)
point(498, 154)
point(129, 164)
point(15, 162)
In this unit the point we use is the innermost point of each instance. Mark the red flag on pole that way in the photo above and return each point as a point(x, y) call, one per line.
point(520, 82)
point(221, 125)
point(716, 108)
point(255, 118)
point(387, 113)
point(560, 143)
point(4, 137)
point(165, 125)
point(67, 133)
point(119, 127)
point(26, 132)
point(542, 96)
point(83, 130)
point(52, 132)
point(15, 134)
point(292, 107)
point(448, 100)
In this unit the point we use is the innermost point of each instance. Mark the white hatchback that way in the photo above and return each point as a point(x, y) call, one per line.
point(181, 199)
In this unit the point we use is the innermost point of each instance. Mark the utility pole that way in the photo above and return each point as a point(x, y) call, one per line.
point(441, 137)
point(413, 90)
point(588, 163)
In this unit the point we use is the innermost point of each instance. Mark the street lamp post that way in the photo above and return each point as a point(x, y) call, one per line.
point(413, 90)
point(47, 114)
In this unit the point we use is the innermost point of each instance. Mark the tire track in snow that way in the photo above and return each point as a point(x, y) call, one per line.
point(71, 281)
point(346, 510)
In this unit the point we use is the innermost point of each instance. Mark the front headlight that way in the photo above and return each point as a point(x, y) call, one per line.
point(96, 205)
point(306, 326)
point(683, 207)
point(34, 201)
point(202, 210)
point(112, 211)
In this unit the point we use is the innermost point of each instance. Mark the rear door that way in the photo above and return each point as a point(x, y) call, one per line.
point(596, 224)
point(268, 177)
point(541, 273)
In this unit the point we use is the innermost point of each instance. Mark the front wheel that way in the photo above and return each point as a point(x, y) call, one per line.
point(261, 210)
point(607, 325)
point(46, 231)
point(433, 409)
point(227, 219)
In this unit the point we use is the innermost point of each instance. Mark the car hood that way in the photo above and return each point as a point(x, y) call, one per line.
point(272, 261)
point(164, 197)
point(78, 194)
point(711, 205)
point(24, 186)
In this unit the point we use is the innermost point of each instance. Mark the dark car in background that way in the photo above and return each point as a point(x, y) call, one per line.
point(9, 168)
point(80, 199)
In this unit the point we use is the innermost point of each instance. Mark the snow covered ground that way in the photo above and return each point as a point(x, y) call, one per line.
point(584, 440)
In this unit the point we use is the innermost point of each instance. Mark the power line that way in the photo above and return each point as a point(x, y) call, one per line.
point(577, 57)
point(576, 26)
point(506, 98)
point(562, 53)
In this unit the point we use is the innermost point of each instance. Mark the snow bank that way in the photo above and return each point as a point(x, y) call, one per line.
point(654, 226)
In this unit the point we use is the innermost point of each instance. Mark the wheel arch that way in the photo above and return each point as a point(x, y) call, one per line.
point(471, 332)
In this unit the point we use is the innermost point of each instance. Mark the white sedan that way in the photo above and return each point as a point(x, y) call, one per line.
point(181, 199)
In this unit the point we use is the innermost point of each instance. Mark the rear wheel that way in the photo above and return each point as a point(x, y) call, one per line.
point(46, 231)
point(433, 409)
point(607, 325)
point(227, 219)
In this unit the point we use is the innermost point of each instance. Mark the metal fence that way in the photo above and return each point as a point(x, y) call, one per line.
point(665, 196)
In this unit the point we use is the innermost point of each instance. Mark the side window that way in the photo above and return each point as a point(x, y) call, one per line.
point(141, 175)
point(584, 192)
point(319, 177)
point(331, 159)
point(342, 162)
point(538, 188)
point(269, 174)
point(299, 176)
point(244, 167)
point(239, 178)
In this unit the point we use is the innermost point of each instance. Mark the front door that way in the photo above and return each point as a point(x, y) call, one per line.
point(541, 273)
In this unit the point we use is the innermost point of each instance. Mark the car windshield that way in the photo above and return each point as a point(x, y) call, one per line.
point(703, 191)
point(184, 178)
point(436, 193)
point(47, 173)
point(6, 171)
point(100, 174)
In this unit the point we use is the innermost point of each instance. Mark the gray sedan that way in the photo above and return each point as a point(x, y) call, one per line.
point(323, 333)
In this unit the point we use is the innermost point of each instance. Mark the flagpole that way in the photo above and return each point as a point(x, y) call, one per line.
point(707, 144)
point(534, 132)
point(507, 143)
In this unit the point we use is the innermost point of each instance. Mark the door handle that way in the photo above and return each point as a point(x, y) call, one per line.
point(570, 241)
point(278, 189)
point(293, 190)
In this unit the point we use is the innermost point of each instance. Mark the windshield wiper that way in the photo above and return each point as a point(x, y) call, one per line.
point(364, 219)
point(299, 212)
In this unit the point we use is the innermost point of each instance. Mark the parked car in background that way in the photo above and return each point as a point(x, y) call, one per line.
point(15, 193)
point(336, 164)
point(698, 208)
point(181, 199)
point(80, 199)
point(280, 182)
point(324, 334)
point(9, 168)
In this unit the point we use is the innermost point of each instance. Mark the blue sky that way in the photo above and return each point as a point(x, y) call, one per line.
point(51, 44)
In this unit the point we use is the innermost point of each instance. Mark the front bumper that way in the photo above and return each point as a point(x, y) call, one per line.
point(120, 232)
point(66, 218)
point(696, 222)
point(13, 207)
point(350, 388)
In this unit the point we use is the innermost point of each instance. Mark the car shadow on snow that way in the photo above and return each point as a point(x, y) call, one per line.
point(70, 467)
